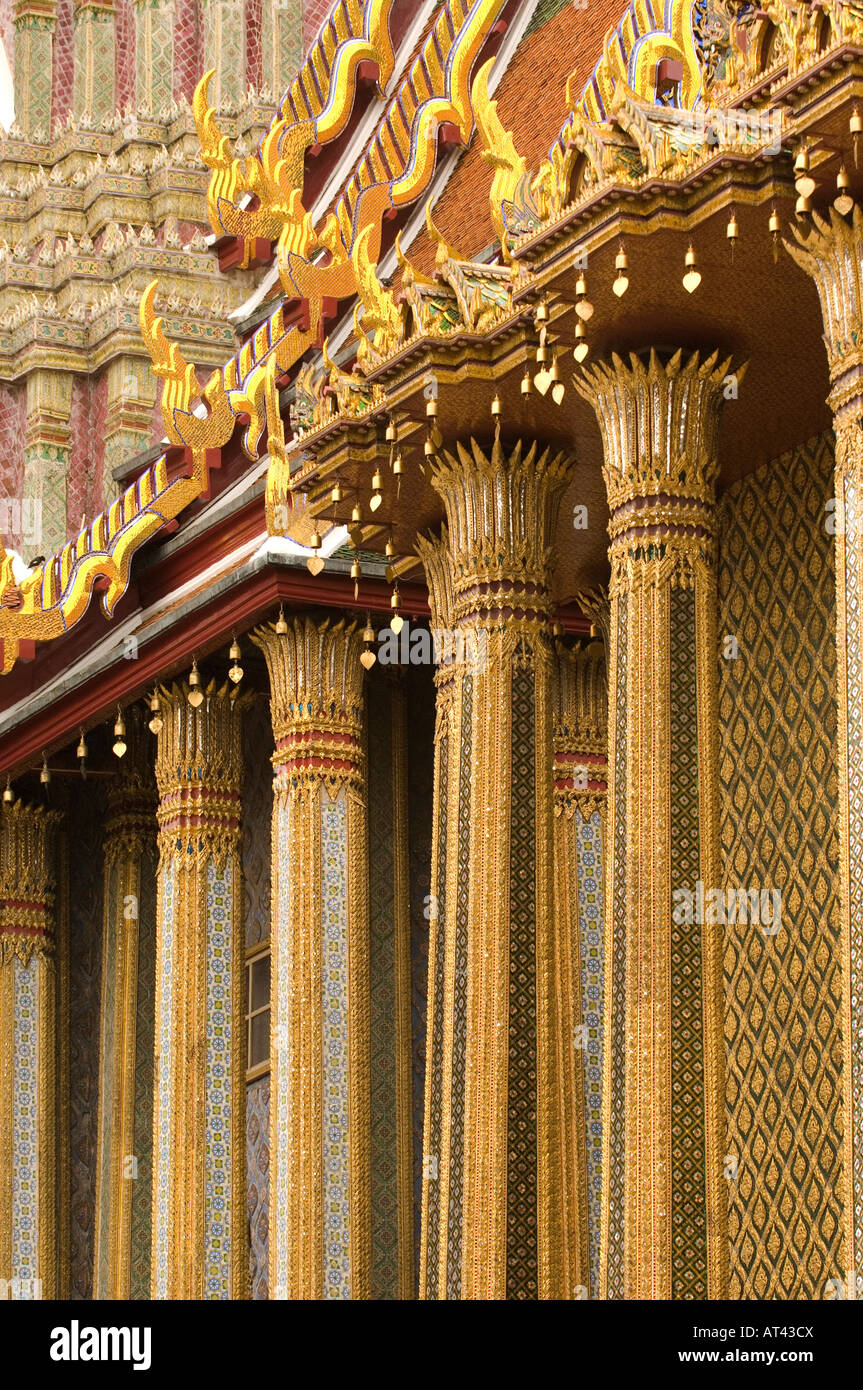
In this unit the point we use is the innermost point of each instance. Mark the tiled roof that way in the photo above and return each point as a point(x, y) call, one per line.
point(532, 104)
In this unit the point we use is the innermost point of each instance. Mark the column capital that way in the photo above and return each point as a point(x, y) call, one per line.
point(27, 876)
point(130, 822)
point(316, 692)
point(435, 556)
point(40, 10)
point(199, 768)
point(831, 253)
point(437, 562)
point(659, 423)
point(501, 512)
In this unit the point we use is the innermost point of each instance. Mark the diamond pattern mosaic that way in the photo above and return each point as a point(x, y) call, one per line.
point(334, 1034)
point(384, 1168)
point(219, 1109)
point(589, 850)
point(688, 1159)
point(25, 1121)
point(521, 1169)
point(615, 1155)
point(459, 1005)
point(777, 710)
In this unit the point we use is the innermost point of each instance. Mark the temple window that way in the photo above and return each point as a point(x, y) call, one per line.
point(258, 1011)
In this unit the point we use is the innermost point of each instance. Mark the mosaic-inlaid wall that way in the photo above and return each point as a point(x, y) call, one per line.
point(421, 719)
point(779, 825)
point(389, 983)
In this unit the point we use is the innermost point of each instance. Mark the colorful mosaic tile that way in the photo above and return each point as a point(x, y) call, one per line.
point(589, 854)
point(162, 1162)
point(25, 1121)
point(218, 1153)
point(279, 1062)
point(334, 1036)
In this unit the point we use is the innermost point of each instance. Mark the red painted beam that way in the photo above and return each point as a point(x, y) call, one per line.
point(200, 632)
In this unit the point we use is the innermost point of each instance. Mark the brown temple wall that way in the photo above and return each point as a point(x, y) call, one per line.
point(779, 826)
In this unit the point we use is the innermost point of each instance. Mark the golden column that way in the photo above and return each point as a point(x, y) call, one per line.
point(580, 719)
point(125, 1126)
point(320, 1223)
point(199, 1237)
point(832, 254)
point(28, 1085)
point(664, 1206)
point(506, 1220)
point(440, 1265)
